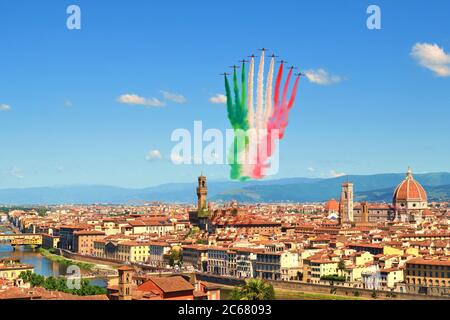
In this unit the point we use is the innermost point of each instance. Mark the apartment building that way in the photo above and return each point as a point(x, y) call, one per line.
point(195, 256)
point(157, 252)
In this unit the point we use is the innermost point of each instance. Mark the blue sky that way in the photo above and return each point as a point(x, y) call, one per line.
point(61, 122)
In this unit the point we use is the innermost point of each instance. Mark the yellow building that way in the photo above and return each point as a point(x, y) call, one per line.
point(322, 268)
point(122, 250)
point(160, 227)
point(428, 272)
point(363, 258)
point(397, 251)
point(390, 277)
point(133, 251)
point(352, 273)
point(391, 250)
point(10, 269)
point(290, 265)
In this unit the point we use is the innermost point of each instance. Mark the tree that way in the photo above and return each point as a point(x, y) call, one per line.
point(254, 289)
point(176, 258)
point(26, 276)
point(42, 212)
point(60, 284)
point(341, 265)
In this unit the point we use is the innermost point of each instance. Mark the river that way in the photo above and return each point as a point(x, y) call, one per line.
point(42, 265)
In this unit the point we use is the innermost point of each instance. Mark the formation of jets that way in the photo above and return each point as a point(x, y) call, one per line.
point(272, 56)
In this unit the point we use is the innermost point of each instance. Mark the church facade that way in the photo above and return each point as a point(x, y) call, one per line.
point(409, 200)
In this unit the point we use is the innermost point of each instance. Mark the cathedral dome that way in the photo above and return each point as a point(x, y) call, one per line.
point(410, 190)
point(331, 206)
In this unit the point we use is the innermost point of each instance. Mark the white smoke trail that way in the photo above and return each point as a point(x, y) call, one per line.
point(250, 79)
point(268, 102)
point(247, 158)
point(260, 94)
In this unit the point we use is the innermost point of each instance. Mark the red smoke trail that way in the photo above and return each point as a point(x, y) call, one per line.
point(278, 121)
point(276, 99)
point(285, 90)
point(257, 172)
point(285, 118)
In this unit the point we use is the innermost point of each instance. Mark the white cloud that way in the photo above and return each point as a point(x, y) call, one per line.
point(432, 57)
point(68, 103)
point(176, 158)
point(153, 155)
point(174, 97)
point(4, 107)
point(16, 172)
point(311, 169)
point(335, 174)
point(218, 99)
point(133, 99)
point(322, 77)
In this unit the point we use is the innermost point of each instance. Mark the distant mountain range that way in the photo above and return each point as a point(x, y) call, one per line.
point(379, 187)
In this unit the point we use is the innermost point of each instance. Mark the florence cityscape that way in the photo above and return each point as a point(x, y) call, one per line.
point(159, 153)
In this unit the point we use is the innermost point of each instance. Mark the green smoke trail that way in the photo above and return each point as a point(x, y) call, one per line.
point(237, 101)
point(244, 108)
point(237, 114)
point(230, 107)
point(243, 114)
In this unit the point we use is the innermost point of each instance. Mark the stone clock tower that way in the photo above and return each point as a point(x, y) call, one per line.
point(202, 192)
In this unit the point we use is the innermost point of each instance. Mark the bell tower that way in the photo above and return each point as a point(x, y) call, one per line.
point(202, 192)
point(125, 282)
point(365, 212)
point(346, 203)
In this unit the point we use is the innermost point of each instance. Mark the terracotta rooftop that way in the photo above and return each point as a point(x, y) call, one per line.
point(169, 284)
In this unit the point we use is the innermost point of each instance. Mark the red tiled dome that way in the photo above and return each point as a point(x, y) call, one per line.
point(331, 205)
point(410, 190)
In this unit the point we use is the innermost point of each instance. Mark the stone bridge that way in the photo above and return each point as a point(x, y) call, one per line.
point(21, 239)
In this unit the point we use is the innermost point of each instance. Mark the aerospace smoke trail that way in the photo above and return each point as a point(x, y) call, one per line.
point(237, 101)
point(283, 99)
point(278, 122)
point(237, 115)
point(260, 94)
point(243, 156)
point(268, 110)
point(230, 110)
point(243, 110)
point(285, 119)
point(276, 99)
point(250, 107)
point(257, 131)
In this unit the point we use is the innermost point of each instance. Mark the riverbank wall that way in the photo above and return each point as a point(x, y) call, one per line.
point(319, 288)
point(90, 259)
